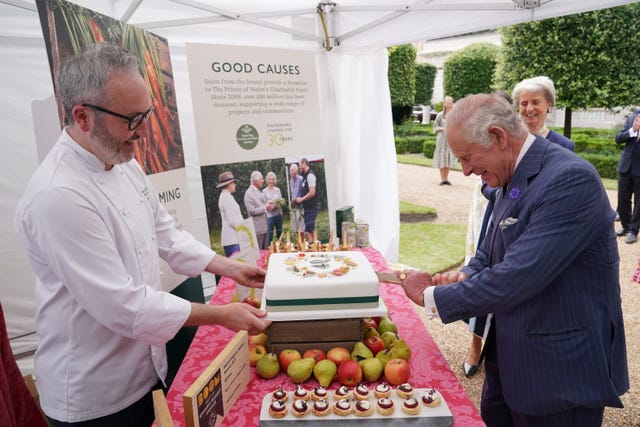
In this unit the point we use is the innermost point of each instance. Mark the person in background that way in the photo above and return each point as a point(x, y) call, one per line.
point(629, 179)
point(17, 406)
point(229, 213)
point(257, 208)
point(443, 158)
point(274, 216)
point(308, 198)
point(94, 231)
point(296, 211)
point(533, 98)
point(556, 351)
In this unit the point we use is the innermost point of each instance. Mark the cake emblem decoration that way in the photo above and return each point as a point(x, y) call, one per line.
point(319, 265)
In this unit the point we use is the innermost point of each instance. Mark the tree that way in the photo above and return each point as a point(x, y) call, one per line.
point(425, 75)
point(470, 70)
point(402, 80)
point(589, 56)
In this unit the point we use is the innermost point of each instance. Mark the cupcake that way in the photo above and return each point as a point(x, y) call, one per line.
point(342, 392)
point(301, 393)
point(277, 409)
point(300, 408)
point(342, 407)
point(320, 408)
point(280, 395)
point(319, 393)
point(361, 392)
point(382, 390)
point(405, 390)
point(363, 408)
point(411, 406)
point(431, 398)
point(385, 406)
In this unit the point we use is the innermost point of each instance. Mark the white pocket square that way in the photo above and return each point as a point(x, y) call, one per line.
point(505, 223)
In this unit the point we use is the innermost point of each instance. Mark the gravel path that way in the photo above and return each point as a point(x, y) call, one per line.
point(419, 184)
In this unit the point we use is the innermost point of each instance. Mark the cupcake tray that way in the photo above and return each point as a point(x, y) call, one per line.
point(439, 416)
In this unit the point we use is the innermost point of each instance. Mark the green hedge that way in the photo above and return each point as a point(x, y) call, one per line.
point(604, 164)
point(595, 145)
point(414, 144)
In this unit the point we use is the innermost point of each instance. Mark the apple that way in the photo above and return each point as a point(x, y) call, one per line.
point(377, 319)
point(251, 300)
point(371, 332)
point(338, 355)
point(260, 338)
point(287, 356)
point(397, 371)
point(368, 322)
point(375, 344)
point(315, 353)
point(256, 352)
point(350, 373)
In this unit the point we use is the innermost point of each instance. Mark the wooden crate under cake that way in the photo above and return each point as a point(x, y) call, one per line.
point(324, 334)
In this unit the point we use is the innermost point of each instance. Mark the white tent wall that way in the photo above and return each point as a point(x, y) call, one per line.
point(355, 102)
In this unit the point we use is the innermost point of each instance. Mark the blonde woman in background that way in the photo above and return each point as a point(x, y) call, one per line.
point(443, 158)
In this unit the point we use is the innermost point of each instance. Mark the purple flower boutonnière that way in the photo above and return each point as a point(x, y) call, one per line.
point(514, 193)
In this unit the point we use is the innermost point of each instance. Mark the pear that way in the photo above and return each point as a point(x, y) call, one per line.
point(324, 371)
point(400, 350)
point(268, 366)
point(388, 338)
point(300, 370)
point(371, 332)
point(384, 356)
point(386, 325)
point(372, 369)
point(361, 351)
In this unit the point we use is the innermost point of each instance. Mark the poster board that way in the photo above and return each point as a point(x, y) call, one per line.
point(213, 393)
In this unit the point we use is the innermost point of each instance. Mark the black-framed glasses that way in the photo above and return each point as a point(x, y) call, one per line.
point(134, 121)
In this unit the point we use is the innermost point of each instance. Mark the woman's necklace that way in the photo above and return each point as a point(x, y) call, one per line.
point(543, 131)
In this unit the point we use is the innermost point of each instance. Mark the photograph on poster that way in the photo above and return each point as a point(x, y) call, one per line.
point(228, 201)
point(69, 28)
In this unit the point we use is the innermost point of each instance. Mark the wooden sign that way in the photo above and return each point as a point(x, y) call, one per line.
point(211, 396)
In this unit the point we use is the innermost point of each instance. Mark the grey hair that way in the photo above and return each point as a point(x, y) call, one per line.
point(476, 114)
point(82, 77)
point(255, 176)
point(271, 175)
point(293, 167)
point(538, 85)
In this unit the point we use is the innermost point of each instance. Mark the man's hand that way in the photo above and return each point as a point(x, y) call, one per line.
point(448, 277)
point(235, 316)
point(414, 282)
point(240, 272)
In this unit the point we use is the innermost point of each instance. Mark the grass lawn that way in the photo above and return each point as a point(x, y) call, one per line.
point(430, 247)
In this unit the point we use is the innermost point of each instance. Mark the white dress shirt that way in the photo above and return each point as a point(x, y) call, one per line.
point(94, 238)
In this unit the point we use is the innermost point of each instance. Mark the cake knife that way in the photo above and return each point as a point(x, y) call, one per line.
point(390, 277)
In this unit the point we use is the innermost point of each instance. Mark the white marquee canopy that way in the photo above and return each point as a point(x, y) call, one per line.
point(350, 38)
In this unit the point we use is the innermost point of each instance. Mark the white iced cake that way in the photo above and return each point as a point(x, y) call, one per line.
point(303, 281)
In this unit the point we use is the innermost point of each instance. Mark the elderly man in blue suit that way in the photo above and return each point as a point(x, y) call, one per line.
point(547, 268)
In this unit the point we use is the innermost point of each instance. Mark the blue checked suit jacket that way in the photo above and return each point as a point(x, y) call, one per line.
point(548, 269)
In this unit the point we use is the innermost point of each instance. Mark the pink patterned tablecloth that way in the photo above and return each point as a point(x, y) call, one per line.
point(428, 367)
